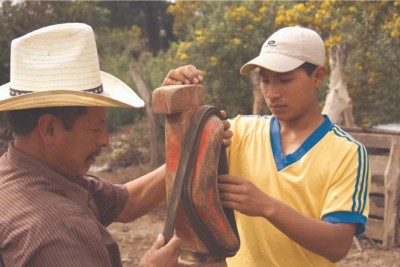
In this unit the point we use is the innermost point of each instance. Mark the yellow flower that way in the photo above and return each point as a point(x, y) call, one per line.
point(334, 24)
point(213, 60)
point(183, 56)
point(351, 9)
point(249, 27)
point(236, 41)
point(394, 33)
point(200, 39)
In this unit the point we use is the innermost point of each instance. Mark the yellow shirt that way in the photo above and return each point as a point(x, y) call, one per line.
point(327, 178)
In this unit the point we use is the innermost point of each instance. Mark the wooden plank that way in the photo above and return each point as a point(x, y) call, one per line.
point(376, 206)
point(392, 195)
point(374, 229)
point(378, 164)
point(373, 140)
point(369, 130)
point(377, 184)
point(384, 153)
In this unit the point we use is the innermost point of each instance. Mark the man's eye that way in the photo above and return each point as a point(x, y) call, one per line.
point(265, 81)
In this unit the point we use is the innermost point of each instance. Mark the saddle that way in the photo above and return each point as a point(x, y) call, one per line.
point(208, 230)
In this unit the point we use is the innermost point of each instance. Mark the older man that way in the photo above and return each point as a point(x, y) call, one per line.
point(52, 212)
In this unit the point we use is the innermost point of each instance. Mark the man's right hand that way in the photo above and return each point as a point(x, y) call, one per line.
point(160, 255)
point(188, 74)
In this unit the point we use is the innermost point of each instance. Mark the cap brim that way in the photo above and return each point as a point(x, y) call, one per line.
point(115, 94)
point(272, 61)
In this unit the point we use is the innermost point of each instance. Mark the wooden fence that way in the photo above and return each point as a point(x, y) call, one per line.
point(384, 154)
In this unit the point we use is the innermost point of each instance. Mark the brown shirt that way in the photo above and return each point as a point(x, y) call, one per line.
point(47, 219)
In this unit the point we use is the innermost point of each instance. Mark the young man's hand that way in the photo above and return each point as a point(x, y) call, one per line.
point(188, 74)
point(227, 133)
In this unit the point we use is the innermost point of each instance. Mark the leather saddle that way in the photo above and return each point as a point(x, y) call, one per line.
point(202, 157)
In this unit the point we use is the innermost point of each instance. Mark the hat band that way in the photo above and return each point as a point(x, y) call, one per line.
point(96, 90)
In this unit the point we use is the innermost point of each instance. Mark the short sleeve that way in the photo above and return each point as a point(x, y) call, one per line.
point(347, 200)
point(110, 199)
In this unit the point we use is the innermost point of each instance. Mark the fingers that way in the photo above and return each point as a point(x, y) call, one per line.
point(159, 255)
point(229, 204)
point(173, 250)
point(227, 138)
point(168, 81)
point(159, 243)
point(191, 74)
point(223, 114)
point(188, 74)
point(226, 141)
point(174, 244)
point(230, 179)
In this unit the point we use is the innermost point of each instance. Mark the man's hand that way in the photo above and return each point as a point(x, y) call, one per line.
point(188, 74)
point(160, 255)
point(242, 195)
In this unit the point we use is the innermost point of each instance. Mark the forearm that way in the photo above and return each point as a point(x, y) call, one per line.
point(145, 193)
point(331, 241)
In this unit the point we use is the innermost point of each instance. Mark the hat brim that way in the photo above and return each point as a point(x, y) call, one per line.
point(272, 61)
point(115, 94)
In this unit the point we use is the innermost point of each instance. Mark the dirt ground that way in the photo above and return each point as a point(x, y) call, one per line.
point(136, 237)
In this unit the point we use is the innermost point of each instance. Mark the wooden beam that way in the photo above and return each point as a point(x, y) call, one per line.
point(376, 206)
point(374, 229)
point(392, 195)
point(373, 140)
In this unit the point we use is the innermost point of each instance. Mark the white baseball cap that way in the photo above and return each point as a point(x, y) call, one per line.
point(287, 49)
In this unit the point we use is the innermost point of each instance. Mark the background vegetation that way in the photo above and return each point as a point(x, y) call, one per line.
point(220, 36)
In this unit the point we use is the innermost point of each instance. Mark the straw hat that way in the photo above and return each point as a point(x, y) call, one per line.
point(58, 65)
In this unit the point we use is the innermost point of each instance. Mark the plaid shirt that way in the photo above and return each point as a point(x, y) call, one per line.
point(47, 219)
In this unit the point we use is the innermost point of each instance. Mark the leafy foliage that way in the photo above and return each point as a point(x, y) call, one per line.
point(225, 36)
point(371, 30)
point(219, 37)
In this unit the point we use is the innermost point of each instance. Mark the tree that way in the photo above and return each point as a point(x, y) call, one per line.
point(222, 36)
point(364, 42)
point(149, 16)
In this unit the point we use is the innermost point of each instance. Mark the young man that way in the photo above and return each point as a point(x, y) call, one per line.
point(298, 182)
point(52, 212)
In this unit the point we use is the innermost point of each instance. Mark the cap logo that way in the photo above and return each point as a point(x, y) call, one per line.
point(271, 43)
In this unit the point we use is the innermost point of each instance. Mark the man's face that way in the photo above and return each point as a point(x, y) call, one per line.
point(75, 150)
point(289, 95)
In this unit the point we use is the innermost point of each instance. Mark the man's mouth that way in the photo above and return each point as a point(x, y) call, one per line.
point(92, 156)
point(277, 106)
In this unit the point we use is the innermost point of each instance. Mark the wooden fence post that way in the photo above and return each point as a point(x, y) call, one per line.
point(392, 196)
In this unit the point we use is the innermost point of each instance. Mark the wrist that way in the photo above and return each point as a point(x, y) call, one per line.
point(271, 208)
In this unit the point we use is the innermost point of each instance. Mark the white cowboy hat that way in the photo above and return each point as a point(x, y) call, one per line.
point(58, 65)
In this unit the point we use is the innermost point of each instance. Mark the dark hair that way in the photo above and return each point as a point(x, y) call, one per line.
point(308, 67)
point(24, 121)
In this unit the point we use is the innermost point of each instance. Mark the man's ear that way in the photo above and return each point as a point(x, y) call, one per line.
point(47, 124)
point(319, 76)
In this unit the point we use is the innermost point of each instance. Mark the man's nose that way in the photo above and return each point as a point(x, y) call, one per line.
point(273, 91)
point(104, 138)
